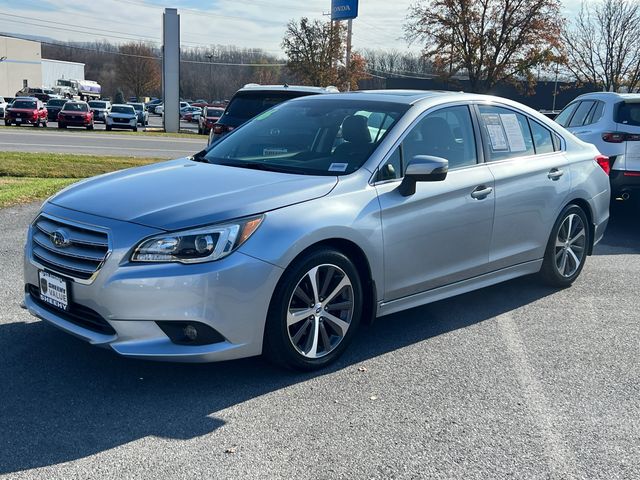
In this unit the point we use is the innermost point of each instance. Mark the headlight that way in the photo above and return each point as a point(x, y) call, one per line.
point(199, 245)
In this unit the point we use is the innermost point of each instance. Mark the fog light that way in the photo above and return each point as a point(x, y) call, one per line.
point(190, 332)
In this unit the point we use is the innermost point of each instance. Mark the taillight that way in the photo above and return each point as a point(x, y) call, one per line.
point(34, 113)
point(603, 161)
point(619, 137)
point(631, 174)
point(613, 137)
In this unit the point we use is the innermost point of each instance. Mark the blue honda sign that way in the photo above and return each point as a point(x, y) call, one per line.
point(344, 9)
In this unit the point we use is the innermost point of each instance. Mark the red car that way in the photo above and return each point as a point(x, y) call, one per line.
point(208, 118)
point(75, 114)
point(26, 110)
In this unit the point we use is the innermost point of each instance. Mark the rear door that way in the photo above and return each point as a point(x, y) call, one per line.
point(532, 181)
point(627, 117)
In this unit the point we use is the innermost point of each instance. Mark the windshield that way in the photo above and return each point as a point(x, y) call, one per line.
point(24, 104)
point(75, 107)
point(56, 103)
point(137, 106)
point(247, 105)
point(328, 137)
point(122, 109)
point(98, 104)
point(214, 112)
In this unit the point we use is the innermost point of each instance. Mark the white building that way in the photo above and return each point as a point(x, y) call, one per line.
point(53, 70)
point(22, 65)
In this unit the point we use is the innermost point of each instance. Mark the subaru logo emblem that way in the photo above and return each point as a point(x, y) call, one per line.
point(60, 238)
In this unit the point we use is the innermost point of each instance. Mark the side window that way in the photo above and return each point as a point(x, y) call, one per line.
point(445, 133)
point(542, 138)
point(505, 132)
point(595, 113)
point(581, 114)
point(564, 116)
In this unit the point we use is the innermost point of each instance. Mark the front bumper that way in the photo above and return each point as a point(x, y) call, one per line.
point(231, 295)
point(22, 120)
point(75, 123)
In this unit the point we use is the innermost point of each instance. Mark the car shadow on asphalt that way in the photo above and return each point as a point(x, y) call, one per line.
point(623, 232)
point(64, 400)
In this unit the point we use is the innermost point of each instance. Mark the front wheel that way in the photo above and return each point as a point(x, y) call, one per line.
point(567, 248)
point(90, 127)
point(314, 312)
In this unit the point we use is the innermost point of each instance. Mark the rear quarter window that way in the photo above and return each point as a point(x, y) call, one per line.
point(582, 112)
point(564, 116)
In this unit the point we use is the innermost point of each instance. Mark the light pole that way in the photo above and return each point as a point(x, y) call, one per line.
point(210, 57)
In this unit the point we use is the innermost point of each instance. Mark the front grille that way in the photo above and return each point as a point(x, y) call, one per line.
point(77, 314)
point(80, 258)
point(121, 120)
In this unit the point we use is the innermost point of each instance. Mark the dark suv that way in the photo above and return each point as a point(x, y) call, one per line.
point(254, 99)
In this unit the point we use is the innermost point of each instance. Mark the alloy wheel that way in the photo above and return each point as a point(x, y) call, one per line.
point(570, 245)
point(320, 311)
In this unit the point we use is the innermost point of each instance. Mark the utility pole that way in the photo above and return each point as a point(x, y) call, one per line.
point(347, 62)
point(171, 69)
point(210, 57)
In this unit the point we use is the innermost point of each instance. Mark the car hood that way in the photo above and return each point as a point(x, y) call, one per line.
point(183, 193)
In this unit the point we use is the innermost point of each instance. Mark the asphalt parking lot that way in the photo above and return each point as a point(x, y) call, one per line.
point(76, 140)
point(512, 381)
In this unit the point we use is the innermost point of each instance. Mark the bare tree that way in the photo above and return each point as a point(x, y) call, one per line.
point(314, 48)
point(139, 69)
point(490, 41)
point(601, 45)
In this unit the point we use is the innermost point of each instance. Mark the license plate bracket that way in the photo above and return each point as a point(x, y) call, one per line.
point(54, 290)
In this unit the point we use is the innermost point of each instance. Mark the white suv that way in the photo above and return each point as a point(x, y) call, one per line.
point(611, 122)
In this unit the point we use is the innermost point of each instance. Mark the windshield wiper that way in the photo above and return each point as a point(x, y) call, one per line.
point(267, 167)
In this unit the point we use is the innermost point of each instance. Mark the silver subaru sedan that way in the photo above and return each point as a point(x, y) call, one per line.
point(318, 215)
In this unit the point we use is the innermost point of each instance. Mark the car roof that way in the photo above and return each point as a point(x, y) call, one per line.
point(256, 87)
point(407, 97)
point(609, 96)
point(26, 98)
point(122, 105)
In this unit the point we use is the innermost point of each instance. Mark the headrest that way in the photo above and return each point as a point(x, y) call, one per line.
point(355, 129)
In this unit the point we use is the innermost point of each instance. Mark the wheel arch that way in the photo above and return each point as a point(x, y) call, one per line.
point(352, 251)
point(586, 208)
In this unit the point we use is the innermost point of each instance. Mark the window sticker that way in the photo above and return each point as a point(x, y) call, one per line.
point(273, 151)
point(338, 167)
point(497, 137)
point(514, 132)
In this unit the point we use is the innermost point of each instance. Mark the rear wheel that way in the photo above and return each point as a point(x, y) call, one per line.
point(7, 123)
point(61, 125)
point(567, 248)
point(90, 126)
point(108, 128)
point(135, 129)
point(314, 312)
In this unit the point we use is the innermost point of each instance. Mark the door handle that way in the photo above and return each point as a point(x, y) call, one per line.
point(481, 192)
point(555, 173)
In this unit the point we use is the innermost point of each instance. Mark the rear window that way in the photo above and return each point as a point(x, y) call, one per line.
point(628, 114)
point(56, 102)
point(247, 105)
point(98, 104)
point(24, 104)
point(137, 106)
point(214, 112)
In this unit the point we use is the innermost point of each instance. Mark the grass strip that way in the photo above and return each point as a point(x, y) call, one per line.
point(29, 176)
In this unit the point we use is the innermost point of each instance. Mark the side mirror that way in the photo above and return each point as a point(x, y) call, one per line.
point(423, 168)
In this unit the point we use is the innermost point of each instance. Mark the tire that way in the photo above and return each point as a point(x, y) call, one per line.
point(90, 127)
point(61, 125)
point(108, 128)
point(45, 124)
point(313, 341)
point(7, 123)
point(559, 267)
point(37, 124)
point(135, 129)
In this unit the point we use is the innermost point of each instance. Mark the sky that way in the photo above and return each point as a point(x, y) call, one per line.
point(244, 23)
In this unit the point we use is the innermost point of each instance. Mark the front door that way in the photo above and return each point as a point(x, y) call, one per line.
point(441, 234)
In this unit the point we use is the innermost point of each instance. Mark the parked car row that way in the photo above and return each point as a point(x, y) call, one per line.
point(73, 113)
